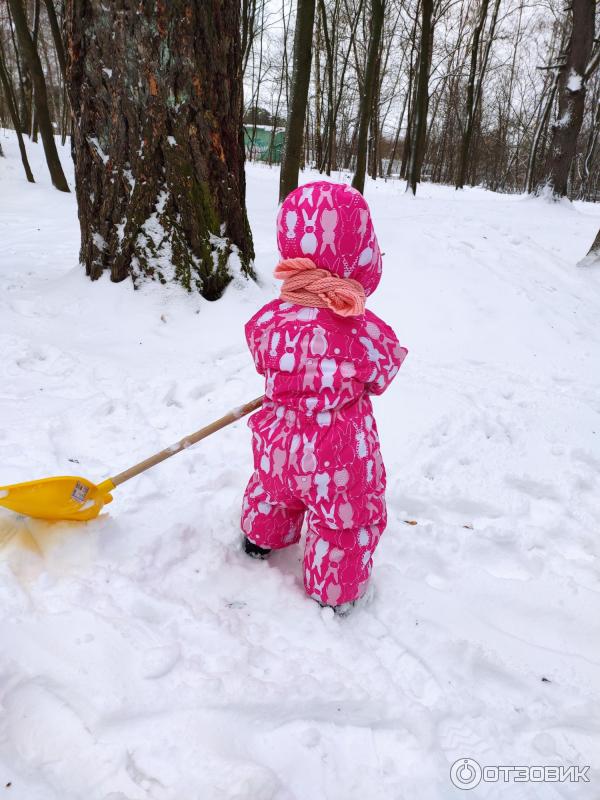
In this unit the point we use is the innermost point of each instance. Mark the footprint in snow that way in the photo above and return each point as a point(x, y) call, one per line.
point(159, 661)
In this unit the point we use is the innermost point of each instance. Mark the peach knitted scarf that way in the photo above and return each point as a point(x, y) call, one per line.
point(307, 285)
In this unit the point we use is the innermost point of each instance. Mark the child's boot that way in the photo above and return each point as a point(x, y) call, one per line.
point(342, 610)
point(254, 551)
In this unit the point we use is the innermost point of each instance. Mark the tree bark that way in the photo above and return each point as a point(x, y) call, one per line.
point(34, 39)
point(326, 164)
point(546, 103)
point(14, 115)
point(318, 138)
point(158, 143)
point(571, 100)
point(56, 36)
point(40, 95)
point(593, 256)
point(373, 159)
point(590, 149)
point(294, 134)
point(366, 101)
point(470, 102)
point(422, 100)
point(24, 82)
point(410, 97)
point(248, 31)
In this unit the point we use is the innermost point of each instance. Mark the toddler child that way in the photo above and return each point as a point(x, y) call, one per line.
point(315, 442)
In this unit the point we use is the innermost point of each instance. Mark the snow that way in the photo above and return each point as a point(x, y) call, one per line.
point(590, 260)
point(121, 232)
point(99, 241)
point(130, 179)
point(153, 239)
point(96, 144)
point(144, 656)
point(161, 201)
point(575, 82)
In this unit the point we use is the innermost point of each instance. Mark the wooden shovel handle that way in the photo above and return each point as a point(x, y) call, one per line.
point(188, 441)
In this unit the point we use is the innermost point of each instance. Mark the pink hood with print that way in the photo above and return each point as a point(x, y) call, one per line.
point(314, 360)
point(330, 223)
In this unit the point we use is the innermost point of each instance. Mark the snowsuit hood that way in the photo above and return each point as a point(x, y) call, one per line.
point(330, 223)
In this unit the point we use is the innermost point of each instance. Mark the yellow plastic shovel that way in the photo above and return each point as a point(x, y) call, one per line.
point(76, 498)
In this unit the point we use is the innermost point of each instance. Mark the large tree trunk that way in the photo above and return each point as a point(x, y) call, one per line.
point(366, 101)
point(294, 133)
point(42, 114)
point(571, 100)
point(159, 160)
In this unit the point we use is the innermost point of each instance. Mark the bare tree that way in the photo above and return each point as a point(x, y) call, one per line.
point(366, 101)
point(292, 153)
point(40, 95)
point(24, 81)
point(574, 72)
point(591, 147)
point(470, 102)
point(422, 97)
point(56, 36)
point(489, 110)
point(14, 115)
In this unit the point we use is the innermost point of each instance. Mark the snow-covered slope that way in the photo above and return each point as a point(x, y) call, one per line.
point(144, 656)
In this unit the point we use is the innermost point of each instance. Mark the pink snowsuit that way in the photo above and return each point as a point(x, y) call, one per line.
point(315, 442)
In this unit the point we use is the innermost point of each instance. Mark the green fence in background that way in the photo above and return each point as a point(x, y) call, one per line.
point(262, 143)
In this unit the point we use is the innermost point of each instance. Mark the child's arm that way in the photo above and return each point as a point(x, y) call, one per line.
point(258, 332)
point(382, 355)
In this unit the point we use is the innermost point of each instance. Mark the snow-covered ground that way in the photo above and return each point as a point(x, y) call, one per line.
point(143, 655)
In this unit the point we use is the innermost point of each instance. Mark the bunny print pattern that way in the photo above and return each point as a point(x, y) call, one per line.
point(315, 442)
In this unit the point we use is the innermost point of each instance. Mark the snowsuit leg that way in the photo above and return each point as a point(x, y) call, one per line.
point(337, 563)
point(333, 473)
point(270, 519)
point(347, 512)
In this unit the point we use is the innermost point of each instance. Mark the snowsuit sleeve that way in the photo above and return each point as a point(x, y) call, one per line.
point(382, 355)
point(257, 332)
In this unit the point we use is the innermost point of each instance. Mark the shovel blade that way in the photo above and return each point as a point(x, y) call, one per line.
point(62, 498)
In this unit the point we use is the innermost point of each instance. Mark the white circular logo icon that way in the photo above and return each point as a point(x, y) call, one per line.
point(465, 773)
